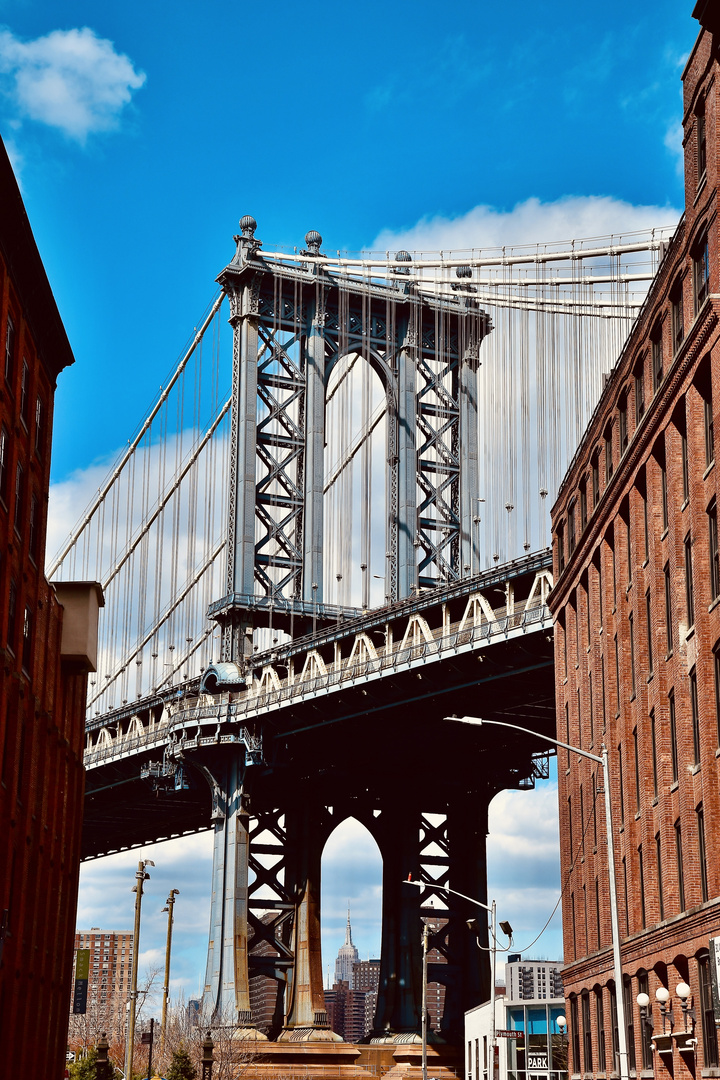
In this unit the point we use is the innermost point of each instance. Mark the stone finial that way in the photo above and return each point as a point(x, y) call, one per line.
point(313, 240)
point(248, 225)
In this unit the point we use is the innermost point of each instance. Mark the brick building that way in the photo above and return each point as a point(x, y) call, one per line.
point(108, 984)
point(347, 1011)
point(47, 645)
point(637, 646)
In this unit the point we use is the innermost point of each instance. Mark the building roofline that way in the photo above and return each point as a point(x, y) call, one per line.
point(28, 274)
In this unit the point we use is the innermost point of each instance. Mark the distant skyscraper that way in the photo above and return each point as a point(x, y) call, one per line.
point(346, 957)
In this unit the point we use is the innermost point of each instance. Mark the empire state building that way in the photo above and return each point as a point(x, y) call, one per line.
point(346, 957)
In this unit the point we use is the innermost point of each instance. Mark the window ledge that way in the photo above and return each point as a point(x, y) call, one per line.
point(717, 752)
point(638, 816)
point(716, 601)
point(696, 769)
point(650, 677)
point(646, 560)
point(664, 533)
point(655, 801)
point(709, 469)
point(686, 503)
point(702, 183)
point(674, 786)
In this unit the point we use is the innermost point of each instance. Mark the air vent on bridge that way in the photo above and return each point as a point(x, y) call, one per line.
point(223, 676)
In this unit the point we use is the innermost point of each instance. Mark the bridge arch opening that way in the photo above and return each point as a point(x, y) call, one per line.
point(354, 489)
point(351, 892)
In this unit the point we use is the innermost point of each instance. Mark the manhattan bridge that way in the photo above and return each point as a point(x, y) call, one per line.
point(329, 532)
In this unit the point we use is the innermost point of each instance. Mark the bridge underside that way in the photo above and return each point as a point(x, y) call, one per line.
point(377, 737)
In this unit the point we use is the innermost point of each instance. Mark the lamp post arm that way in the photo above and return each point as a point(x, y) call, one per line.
point(443, 888)
point(477, 722)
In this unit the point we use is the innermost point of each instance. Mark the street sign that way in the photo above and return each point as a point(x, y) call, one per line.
point(82, 974)
point(505, 1033)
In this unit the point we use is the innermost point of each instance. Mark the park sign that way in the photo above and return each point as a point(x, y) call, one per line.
point(82, 974)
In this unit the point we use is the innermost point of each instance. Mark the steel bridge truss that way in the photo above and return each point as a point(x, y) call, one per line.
point(292, 324)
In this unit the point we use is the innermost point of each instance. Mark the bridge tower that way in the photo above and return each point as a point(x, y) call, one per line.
point(292, 324)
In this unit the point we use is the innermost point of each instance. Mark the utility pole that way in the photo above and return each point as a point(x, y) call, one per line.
point(424, 998)
point(141, 876)
point(166, 988)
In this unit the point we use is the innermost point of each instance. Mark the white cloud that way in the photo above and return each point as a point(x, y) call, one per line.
point(72, 80)
point(529, 222)
point(674, 143)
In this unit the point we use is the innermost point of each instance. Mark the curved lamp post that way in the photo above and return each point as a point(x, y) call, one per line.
point(614, 921)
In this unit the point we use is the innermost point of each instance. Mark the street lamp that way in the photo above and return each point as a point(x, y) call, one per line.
point(506, 928)
point(141, 876)
point(166, 988)
point(614, 921)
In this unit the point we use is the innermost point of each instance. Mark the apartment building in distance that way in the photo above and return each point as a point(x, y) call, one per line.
point(637, 650)
point(108, 989)
point(48, 644)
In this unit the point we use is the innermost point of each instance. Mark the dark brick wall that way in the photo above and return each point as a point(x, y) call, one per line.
point(616, 672)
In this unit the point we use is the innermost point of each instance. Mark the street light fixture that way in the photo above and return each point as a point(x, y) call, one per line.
point(506, 928)
point(141, 876)
point(614, 921)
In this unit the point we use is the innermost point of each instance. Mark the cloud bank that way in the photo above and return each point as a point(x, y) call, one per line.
point(528, 222)
point(71, 80)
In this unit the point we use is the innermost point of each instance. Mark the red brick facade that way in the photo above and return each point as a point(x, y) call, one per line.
point(42, 697)
point(637, 644)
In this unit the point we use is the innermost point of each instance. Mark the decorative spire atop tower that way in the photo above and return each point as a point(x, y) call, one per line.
point(347, 957)
point(348, 931)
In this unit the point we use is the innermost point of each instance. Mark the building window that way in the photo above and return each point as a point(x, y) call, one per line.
point(673, 736)
point(598, 567)
point(25, 394)
point(648, 623)
point(595, 474)
point(583, 505)
point(641, 885)
point(703, 385)
point(628, 543)
point(587, 1032)
point(692, 677)
point(632, 655)
point(560, 534)
point(629, 1025)
point(33, 530)
point(4, 465)
point(657, 356)
point(701, 273)
point(639, 393)
point(701, 143)
point(608, 454)
point(598, 928)
point(658, 856)
point(637, 770)
point(571, 529)
point(663, 493)
point(653, 738)
point(19, 497)
point(617, 677)
point(642, 489)
point(714, 552)
point(622, 785)
point(668, 609)
point(716, 667)
point(600, 1025)
point(623, 422)
point(680, 867)
point(27, 640)
point(591, 708)
point(39, 421)
point(614, 1022)
point(701, 852)
point(682, 426)
point(10, 351)
point(709, 1029)
point(576, 1066)
point(689, 591)
point(12, 617)
point(677, 315)
point(645, 1030)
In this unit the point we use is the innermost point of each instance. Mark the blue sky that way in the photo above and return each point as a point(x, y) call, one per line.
point(142, 132)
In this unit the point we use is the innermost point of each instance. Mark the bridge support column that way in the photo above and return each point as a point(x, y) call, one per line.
point(468, 451)
point(226, 997)
point(312, 578)
point(400, 989)
point(407, 464)
point(306, 1008)
point(470, 983)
